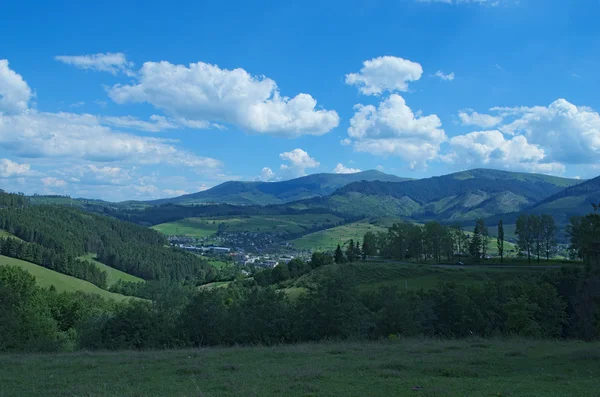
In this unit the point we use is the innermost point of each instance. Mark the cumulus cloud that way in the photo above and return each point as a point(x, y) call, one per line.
point(206, 92)
point(470, 117)
point(342, 169)
point(156, 123)
point(14, 91)
point(53, 182)
point(393, 129)
point(11, 169)
point(266, 175)
point(568, 133)
point(298, 161)
point(114, 63)
point(444, 76)
point(491, 148)
point(34, 134)
point(67, 135)
point(386, 73)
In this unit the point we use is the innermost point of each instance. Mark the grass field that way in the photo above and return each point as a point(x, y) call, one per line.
point(113, 275)
point(4, 233)
point(472, 367)
point(46, 277)
point(327, 240)
point(274, 224)
point(369, 276)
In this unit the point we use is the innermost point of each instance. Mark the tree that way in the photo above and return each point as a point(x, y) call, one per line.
point(339, 255)
point(369, 247)
point(500, 240)
point(320, 259)
point(585, 237)
point(485, 237)
point(350, 251)
point(549, 230)
point(535, 229)
point(460, 239)
point(475, 244)
point(280, 273)
point(523, 231)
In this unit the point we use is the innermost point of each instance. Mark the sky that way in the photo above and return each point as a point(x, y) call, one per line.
point(149, 99)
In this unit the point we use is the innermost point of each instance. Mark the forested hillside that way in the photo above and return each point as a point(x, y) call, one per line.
point(263, 193)
point(57, 235)
point(461, 196)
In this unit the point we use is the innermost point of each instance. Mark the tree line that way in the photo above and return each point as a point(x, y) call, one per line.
point(52, 260)
point(550, 305)
point(436, 242)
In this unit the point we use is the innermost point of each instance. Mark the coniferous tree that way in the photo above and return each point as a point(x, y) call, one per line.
point(338, 256)
point(500, 240)
point(350, 251)
point(475, 244)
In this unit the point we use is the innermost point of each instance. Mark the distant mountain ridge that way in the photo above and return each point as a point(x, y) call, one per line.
point(265, 193)
point(460, 196)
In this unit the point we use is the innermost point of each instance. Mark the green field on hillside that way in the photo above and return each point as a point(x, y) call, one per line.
point(435, 368)
point(273, 224)
point(327, 240)
point(369, 276)
point(112, 275)
point(46, 277)
point(4, 233)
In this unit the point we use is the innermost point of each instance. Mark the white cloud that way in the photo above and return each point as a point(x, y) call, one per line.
point(10, 169)
point(53, 182)
point(380, 168)
point(266, 175)
point(569, 134)
point(156, 123)
point(14, 91)
point(109, 62)
point(386, 73)
point(299, 161)
point(206, 92)
point(75, 136)
point(491, 148)
point(341, 169)
point(174, 193)
point(393, 129)
point(470, 117)
point(444, 76)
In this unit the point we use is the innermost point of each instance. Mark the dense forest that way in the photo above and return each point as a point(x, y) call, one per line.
point(68, 233)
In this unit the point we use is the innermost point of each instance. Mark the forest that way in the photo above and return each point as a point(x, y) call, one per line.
point(66, 233)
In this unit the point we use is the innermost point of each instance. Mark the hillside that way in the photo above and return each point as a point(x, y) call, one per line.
point(454, 197)
point(263, 193)
point(63, 283)
point(575, 200)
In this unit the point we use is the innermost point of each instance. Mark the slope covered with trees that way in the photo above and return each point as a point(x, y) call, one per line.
point(59, 234)
point(462, 196)
point(262, 193)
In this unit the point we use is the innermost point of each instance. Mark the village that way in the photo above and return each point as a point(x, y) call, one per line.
point(243, 248)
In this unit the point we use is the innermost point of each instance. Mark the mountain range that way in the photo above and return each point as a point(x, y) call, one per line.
point(264, 193)
point(462, 196)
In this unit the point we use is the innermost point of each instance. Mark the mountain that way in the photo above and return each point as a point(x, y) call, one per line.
point(575, 200)
point(460, 196)
point(263, 193)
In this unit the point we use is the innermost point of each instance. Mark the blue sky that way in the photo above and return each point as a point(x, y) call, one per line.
point(136, 100)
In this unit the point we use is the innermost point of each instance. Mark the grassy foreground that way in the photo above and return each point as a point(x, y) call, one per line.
point(391, 368)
